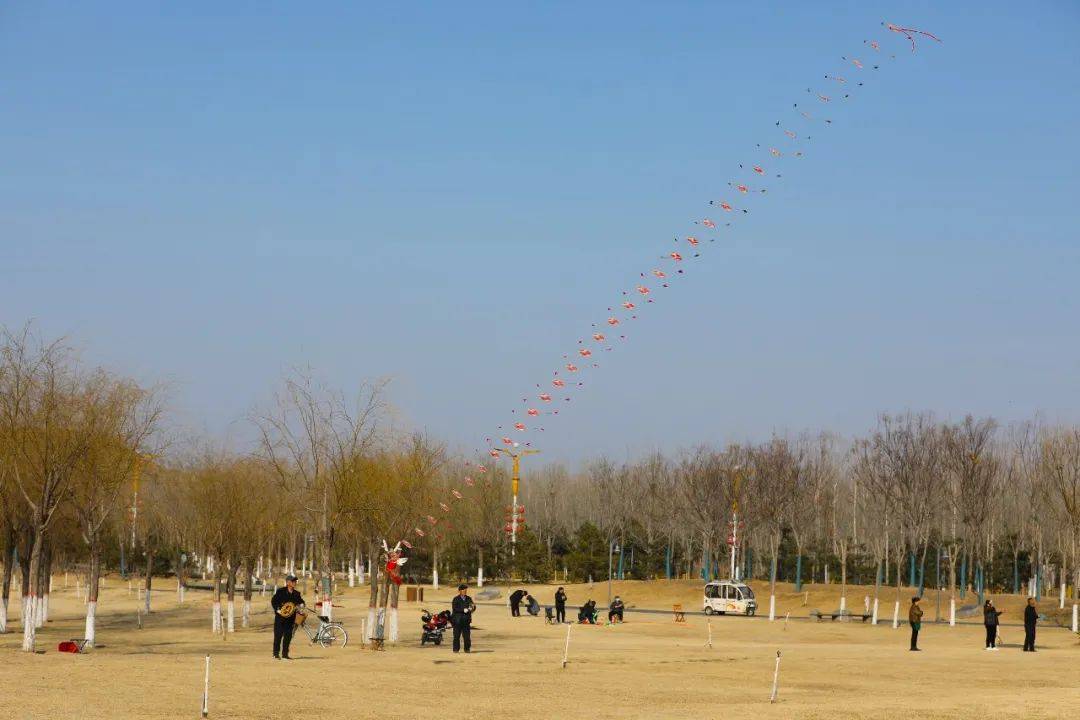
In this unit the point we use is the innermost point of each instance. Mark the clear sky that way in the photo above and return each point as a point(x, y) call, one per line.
point(448, 194)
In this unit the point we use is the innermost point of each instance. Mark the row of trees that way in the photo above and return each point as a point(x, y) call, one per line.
point(89, 480)
point(983, 504)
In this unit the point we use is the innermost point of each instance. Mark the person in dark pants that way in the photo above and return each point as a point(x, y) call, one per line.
point(515, 602)
point(560, 606)
point(1031, 616)
point(914, 617)
point(285, 603)
point(587, 613)
point(615, 610)
point(990, 620)
point(461, 610)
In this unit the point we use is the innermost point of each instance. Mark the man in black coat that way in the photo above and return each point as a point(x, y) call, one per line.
point(1031, 616)
point(461, 612)
point(284, 624)
point(560, 606)
point(515, 602)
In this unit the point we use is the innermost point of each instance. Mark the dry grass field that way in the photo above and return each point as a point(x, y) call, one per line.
point(649, 667)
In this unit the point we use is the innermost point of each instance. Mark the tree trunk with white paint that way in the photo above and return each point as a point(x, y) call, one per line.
point(392, 636)
point(215, 611)
point(9, 554)
point(245, 616)
point(29, 629)
point(92, 595)
point(230, 588)
point(149, 577)
point(772, 582)
point(373, 600)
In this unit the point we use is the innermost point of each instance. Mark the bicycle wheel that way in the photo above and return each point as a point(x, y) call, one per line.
point(333, 635)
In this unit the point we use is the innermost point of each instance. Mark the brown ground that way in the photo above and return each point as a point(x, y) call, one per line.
point(649, 667)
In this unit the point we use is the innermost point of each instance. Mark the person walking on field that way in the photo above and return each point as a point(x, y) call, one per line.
point(990, 620)
point(461, 610)
point(1031, 616)
point(286, 602)
point(560, 606)
point(914, 617)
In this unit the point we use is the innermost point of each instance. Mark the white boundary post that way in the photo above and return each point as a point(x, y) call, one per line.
point(708, 624)
point(566, 649)
point(206, 690)
point(775, 679)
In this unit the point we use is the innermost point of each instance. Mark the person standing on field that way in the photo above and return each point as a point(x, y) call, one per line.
point(560, 605)
point(286, 602)
point(1031, 616)
point(461, 612)
point(914, 617)
point(990, 620)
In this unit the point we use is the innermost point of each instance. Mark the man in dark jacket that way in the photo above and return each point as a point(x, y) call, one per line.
point(914, 617)
point(560, 606)
point(1031, 616)
point(461, 610)
point(515, 602)
point(285, 603)
point(615, 610)
point(990, 620)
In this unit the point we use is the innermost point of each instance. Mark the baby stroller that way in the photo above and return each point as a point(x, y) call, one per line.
point(434, 626)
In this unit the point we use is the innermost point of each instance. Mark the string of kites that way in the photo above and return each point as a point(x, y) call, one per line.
point(791, 138)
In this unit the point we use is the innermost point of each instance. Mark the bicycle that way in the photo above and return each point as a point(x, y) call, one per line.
point(328, 633)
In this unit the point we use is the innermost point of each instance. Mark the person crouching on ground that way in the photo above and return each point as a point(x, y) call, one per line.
point(1031, 616)
point(615, 610)
point(286, 602)
point(461, 610)
point(587, 613)
point(990, 620)
point(914, 617)
point(532, 605)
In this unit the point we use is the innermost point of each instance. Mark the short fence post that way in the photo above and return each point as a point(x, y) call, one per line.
point(206, 690)
point(775, 679)
point(566, 649)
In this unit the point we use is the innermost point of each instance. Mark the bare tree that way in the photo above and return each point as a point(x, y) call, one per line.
point(129, 415)
point(311, 439)
point(973, 470)
point(778, 475)
point(48, 418)
point(1060, 470)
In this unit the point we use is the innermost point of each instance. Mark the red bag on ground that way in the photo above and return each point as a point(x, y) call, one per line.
point(68, 647)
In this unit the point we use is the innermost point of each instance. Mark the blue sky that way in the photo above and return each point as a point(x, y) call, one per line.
point(449, 194)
